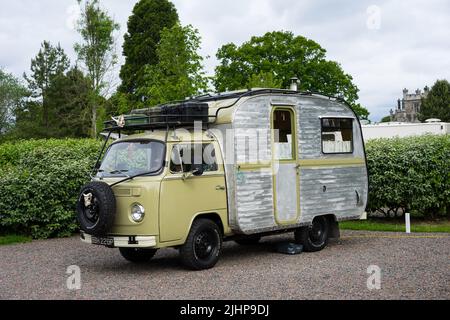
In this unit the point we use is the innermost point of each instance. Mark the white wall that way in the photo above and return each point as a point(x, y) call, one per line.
point(396, 129)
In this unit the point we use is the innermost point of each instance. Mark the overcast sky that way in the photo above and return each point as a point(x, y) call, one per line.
point(384, 45)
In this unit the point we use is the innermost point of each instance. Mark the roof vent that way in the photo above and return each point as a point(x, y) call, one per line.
point(294, 84)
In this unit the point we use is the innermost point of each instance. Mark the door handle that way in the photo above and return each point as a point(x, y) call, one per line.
point(220, 187)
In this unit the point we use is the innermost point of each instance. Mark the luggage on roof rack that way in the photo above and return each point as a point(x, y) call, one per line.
point(179, 114)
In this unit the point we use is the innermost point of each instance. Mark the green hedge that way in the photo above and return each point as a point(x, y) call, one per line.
point(411, 174)
point(40, 180)
point(39, 184)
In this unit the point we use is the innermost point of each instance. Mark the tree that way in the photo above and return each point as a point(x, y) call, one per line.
point(28, 122)
point(67, 103)
point(12, 94)
point(69, 97)
point(149, 18)
point(264, 80)
point(284, 55)
point(386, 119)
point(360, 111)
point(437, 102)
point(179, 71)
point(96, 51)
point(49, 63)
point(118, 103)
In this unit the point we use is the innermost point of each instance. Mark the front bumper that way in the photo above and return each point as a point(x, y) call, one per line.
point(120, 241)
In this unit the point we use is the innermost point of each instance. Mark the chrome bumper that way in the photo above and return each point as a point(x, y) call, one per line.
point(120, 241)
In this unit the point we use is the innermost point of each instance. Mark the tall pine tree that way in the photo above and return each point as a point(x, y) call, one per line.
point(149, 18)
point(48, 64)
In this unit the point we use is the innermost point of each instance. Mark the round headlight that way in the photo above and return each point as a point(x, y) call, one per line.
point(137, 212)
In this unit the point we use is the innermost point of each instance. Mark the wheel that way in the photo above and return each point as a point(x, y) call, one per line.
point(203, 245)
point(248, 241)
point(96, 208)
point(137, 255)
point(314, 237)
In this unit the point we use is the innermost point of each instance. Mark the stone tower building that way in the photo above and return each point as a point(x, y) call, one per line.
point(408, 108)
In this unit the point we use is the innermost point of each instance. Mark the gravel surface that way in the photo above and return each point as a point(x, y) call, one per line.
point(415, 266)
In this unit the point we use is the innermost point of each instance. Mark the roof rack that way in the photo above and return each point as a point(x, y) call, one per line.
point(187, 112)
point(152, 122)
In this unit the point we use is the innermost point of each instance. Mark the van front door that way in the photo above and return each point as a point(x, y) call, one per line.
point(284, 164)
point(183, 195)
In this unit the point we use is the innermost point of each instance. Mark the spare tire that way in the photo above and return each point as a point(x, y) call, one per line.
point(96, 208)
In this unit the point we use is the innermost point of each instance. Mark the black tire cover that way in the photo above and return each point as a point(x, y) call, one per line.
point(96, 208)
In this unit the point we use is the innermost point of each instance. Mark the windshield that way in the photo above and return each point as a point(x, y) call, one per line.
point(132, 158)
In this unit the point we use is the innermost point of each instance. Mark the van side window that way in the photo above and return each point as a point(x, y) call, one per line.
point(184, 156)
point(337, 135)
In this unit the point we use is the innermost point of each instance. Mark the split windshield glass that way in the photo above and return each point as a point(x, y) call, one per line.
point(132, 158)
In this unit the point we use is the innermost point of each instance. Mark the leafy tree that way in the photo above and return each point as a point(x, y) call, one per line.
point(179, 72)
point(12, 94)
point(28, 122)
point(96, 51)
point(49, 63)
point(149, 18)
point(69, 100)
point(386, 119)
point(360, 111)
point(118, 103)
point(264, 80)
point(286, 56)
point(437, 102)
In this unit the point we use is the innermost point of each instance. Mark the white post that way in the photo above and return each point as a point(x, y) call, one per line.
point(407, 223)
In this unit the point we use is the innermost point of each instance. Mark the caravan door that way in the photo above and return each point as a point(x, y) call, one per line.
point(284, 165)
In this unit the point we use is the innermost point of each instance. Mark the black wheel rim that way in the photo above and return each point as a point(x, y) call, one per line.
point(317, 231)
point(205, 243)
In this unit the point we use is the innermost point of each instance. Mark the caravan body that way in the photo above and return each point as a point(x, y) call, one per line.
point(323, 171)
point(270, 161)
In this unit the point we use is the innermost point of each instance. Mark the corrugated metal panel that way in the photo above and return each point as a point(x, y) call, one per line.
point(254, 200)
point(339, 198)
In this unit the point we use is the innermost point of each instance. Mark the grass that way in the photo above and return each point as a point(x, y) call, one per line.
point(373, 224)
point(396, 225)
point(13, 238)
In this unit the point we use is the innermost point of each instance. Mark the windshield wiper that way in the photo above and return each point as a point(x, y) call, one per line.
point(135, 176)
point(120, 171)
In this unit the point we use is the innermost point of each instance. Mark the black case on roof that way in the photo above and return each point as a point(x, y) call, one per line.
point(186, 112)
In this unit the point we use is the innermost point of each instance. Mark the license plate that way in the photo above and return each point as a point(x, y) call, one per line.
point(109, 242)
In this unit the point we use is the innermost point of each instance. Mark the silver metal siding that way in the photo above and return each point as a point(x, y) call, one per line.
point(250, 193)
point(339, 198)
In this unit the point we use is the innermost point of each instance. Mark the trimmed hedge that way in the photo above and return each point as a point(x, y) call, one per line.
point(409, 174)
point(40, 180)
point(39, 184)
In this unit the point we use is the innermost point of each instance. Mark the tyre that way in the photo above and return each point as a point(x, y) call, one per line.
point(314, 237)
point(96, 208)
point(203, 245)
point(137, 255)
point(248, 241)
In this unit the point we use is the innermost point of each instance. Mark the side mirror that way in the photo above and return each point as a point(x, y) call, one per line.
point(197, 170)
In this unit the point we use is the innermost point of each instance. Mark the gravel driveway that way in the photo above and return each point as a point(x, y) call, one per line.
point(415, 266)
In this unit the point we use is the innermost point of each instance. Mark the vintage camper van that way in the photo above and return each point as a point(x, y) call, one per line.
point(234, 166)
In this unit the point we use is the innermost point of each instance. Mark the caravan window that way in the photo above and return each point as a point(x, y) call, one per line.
point(337, 135)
